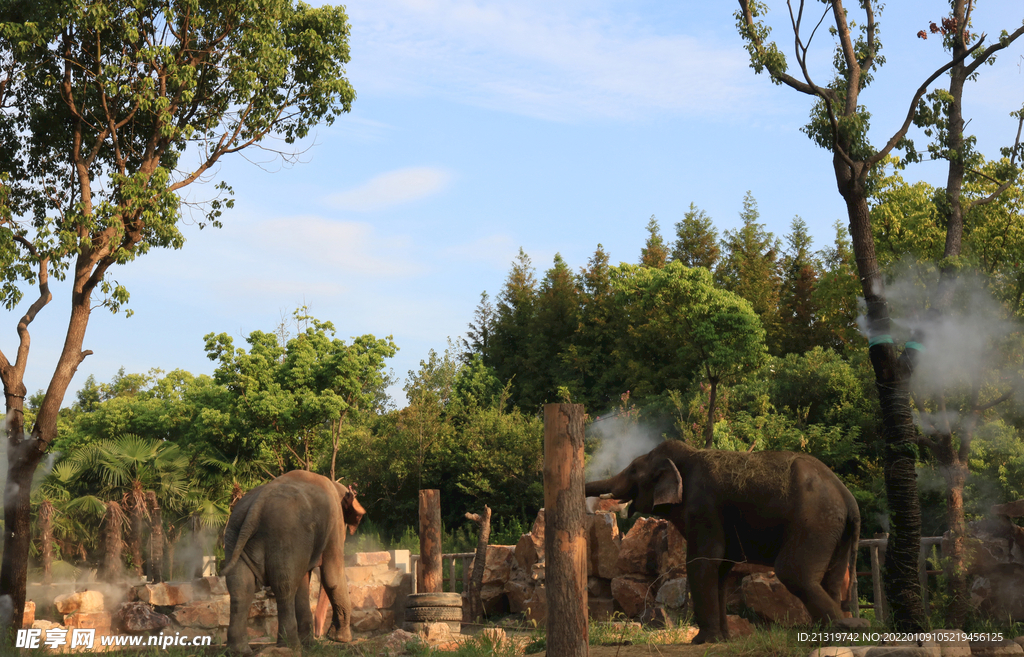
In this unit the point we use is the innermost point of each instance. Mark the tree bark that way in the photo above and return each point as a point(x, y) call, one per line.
point(709, 428)
point(156, 539)
point(476, 607)
point(113, 544)
point(565, 543)
point(46, 538)
point(430, 575)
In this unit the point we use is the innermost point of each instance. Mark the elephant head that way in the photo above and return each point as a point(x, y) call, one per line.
point(351, 509)
point(651, 482)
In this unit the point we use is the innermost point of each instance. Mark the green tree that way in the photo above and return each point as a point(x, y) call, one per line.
point(683, 319)
point(655, 253)
point(696, 240)
point(798, 309)
point(98, 104)
point(511, 339)
point(750, 268)
point(553, 330)
point(478, 334)
point(836, 295)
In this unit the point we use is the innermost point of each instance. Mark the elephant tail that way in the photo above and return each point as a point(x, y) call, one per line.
point(249, 525)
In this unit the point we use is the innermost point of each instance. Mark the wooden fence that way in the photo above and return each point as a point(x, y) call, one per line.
point(877, 546)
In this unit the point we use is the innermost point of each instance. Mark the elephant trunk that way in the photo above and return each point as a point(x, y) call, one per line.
point(610, 487)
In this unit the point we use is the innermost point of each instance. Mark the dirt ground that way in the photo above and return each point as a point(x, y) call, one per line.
point(679, 650)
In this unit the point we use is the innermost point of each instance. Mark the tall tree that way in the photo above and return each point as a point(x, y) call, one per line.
point(839, 123)
point(98, 104)
point(750, 268)
point(555, 324)
point(696, 240)
point(798, 309)
point(511, 338)
point(655, 253)
point(478, 334)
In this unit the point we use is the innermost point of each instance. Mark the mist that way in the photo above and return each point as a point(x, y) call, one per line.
point(619, 440)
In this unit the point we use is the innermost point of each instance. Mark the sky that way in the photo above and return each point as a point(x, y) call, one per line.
point(481, 127)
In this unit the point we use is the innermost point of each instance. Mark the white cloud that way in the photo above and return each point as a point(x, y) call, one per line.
point(391, 189)
point(557, 62)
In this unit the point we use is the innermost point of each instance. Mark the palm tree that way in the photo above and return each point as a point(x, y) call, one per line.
point(64, 518)
point(131, 470)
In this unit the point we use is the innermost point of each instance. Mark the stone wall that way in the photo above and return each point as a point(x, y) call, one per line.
point(202, 606)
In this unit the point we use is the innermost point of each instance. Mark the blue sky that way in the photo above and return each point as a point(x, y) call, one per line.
point(483, 126)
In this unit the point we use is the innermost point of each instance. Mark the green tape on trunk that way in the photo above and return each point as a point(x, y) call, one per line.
point(916, 345)
point(880, 339)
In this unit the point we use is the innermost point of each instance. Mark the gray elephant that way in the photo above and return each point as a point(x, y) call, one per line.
point(779, 509)
point(277, 534)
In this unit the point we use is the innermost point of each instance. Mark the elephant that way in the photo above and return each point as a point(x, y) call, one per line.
point(276, 535)
point(780, 509)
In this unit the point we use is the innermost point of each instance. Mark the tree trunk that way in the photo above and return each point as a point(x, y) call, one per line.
point(565, 542)
point(430, 576)
point(113, 544)
point(156, 539)
point(476, 607)
point(955, 565)
point(892, 379)
point(46, 539)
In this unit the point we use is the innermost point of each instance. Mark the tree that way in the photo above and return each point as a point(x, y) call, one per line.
point(799, 330)
point(655, 253)
point(683, 319)
point(511, 338)
point(554, 327)
point(98, 105)
point(839, 124)
point(478, 334)
point(750, 268)
point(696, 240)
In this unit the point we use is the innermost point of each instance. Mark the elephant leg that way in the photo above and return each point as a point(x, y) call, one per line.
point(801, 566)
point(303, 613)
point(335, 584)
point(287, 629)
point(703, 566)
point(241, 584)
point(723, 619)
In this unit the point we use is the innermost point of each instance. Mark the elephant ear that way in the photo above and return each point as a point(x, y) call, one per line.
point(352, 510)
point(668, 487)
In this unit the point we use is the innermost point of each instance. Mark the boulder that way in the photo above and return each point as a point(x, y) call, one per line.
point(395, 643)
point(264, 607)
point(204, 588)
point(80, 601)
point(100, 621)
point(953, 643)
point(598, 587)
point(136, 617)
point(366, 620)
point(634, 593)
point(165, 594)
point(493, 598)
point(603, 544)
point(45, 625)
point(518, 589)
point(497, 564)
point(739, 626)
point(600, 609)
point(767, 597)
point(672, 594)
point(206, 614)
point(29, 616)
point(528, 552)
point(371, 558)
point(372, 596)
point(537, 605)
point(652, 547)
point(656, 618)
point(1004, 648)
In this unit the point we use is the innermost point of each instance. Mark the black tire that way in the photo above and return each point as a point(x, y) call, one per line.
point(434, 600)
point(433, 614)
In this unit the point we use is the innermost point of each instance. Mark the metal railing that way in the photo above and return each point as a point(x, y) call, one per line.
point(450, 559)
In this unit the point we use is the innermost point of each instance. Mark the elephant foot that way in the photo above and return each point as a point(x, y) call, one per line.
point(341, 635)
point(707, 636)
point(239, 649)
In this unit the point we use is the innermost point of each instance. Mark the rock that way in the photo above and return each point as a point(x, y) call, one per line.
point(767, 597)
point(600, 609)
point(527, 552)
point(537, 530)
point(205, 614)
point(493, 598)
point(599, 505)
point(655, 617)
point(395, 643)
point(603, 544)
point(911, 649)
point(373, 596)
point(599, 587)
point(1019, 640)
point(374, 575)
point(140, 617)
point(96, 620)
point(497, 563)
point(371, 558)
point(279, 651)
point(537, 605)
point(995, 648)
point(673, 560)
point(29, 616)
point(739, 626)
point(264, 608)
point(518, 590)
point(634, 593)
point(436, 633)
point(920, 648)
point(366, 620)
point(672, 594)
point(953, 643)
point(84, 601)
point(640, 547)
point(832, 651)
point(165, 594)
point(206, 587)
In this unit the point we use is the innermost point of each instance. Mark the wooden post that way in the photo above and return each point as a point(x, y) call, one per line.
point(922, 574)
point(476, 607)
point(877, 561)
point(430, 576)
point(565, 544)
point(853, 593)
